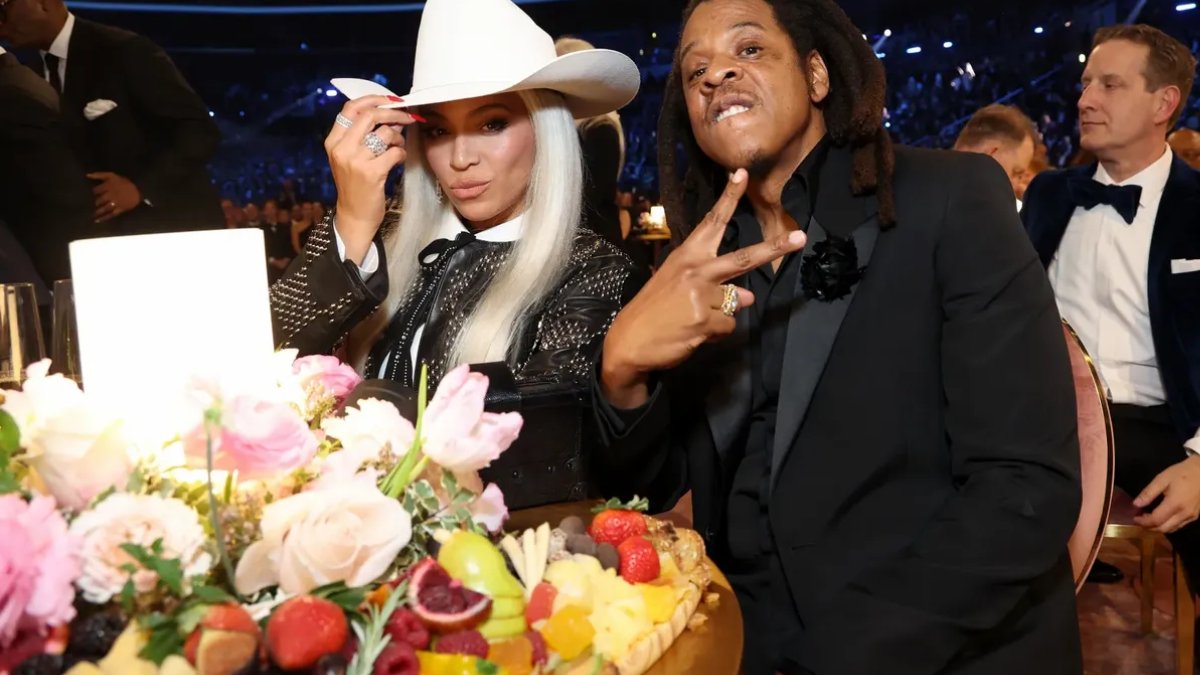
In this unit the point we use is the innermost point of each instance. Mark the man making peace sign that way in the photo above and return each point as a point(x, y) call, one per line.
point(878, 430)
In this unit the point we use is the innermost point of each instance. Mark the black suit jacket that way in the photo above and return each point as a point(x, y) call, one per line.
point(925, 466)
point(160, 135)
point(1174, 298)
point(44, 197)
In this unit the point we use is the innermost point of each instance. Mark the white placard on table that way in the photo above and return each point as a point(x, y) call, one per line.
point(157, 311)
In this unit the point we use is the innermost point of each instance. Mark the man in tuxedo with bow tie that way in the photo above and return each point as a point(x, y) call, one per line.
point(878, 431)
point(140, 130)
point(1121, 242)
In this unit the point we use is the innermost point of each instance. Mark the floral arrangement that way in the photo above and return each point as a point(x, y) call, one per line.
point(161, 556)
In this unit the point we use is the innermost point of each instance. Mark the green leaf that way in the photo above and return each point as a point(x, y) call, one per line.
point(10, 438)
point(449, 482)
point(349, 599)
point(156, 620)
point(127, 594)
point(102, 496)
point(164, 641)
point(635, 504)
point(188, 619)
point(485, 667)
point(211, 594)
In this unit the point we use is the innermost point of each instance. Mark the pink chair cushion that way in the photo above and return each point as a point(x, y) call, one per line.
point(1095, 461)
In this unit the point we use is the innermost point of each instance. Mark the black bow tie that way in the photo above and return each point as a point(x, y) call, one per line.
point(439, 249)
point(1088, 193)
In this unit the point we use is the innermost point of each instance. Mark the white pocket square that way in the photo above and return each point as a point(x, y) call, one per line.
point(1183, 266)
point(98, 108)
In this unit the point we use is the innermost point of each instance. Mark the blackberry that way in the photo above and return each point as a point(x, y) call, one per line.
point(42, 664)
point(92, 637)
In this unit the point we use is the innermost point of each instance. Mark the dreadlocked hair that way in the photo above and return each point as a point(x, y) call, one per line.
point(853, 113)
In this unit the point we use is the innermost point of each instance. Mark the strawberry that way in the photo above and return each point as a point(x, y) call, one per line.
point(228, 617)
point(639, 560)
point(615, 522)
point(304, 629)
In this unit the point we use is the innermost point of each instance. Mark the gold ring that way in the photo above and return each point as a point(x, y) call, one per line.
point(729, 306)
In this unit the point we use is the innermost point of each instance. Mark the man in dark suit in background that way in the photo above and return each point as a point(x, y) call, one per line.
point(140, 130)
point(879, 433)
point(1120, 239)
point(45, 200)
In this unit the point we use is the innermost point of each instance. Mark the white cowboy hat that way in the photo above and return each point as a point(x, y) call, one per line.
point(472, 48)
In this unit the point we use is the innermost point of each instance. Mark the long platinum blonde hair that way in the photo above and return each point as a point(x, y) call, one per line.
point(535, 267)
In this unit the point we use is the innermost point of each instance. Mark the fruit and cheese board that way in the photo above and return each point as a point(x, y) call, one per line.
point(626, 594)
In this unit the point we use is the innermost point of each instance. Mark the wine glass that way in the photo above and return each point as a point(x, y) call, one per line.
point(21, 342)
point(64, 342)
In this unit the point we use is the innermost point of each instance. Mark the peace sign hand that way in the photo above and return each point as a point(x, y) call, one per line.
point(680, 308)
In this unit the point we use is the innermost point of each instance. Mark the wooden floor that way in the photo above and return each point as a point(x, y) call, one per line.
point(1109, 620)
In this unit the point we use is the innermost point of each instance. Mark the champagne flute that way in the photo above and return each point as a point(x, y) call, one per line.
point(64, 342)
point(21, 343)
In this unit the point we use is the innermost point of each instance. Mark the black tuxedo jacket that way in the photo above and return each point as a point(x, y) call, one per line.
point(159, 136)
point(925, 465)
point(1174, 298)
point(44, 197)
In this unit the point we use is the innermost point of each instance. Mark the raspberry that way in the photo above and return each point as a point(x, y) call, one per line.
point(42, 664)
point(398, 658)
point(92, 638)
point(467, 642)
point(405, 626)
point(540, 653)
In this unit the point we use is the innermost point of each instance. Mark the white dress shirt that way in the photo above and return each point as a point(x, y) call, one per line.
point(450, 228)
point(1099, 276)
point(59, 48)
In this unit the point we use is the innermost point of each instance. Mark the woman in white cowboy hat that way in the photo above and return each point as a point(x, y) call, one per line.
point(487, 262)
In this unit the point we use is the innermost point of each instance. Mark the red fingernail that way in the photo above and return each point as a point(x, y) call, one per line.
point(417, 117)
point(397, 99)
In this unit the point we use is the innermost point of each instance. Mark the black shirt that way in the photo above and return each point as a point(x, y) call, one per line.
point(749, 530)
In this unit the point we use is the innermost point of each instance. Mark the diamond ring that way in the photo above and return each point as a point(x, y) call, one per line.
point(375, 144)
point(344, 121)
point(730, 305)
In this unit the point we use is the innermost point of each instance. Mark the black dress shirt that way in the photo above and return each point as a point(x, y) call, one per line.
point(748, 528)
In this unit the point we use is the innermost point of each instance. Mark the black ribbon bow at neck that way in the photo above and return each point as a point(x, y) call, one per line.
point(1088, 193)
point(438, 249)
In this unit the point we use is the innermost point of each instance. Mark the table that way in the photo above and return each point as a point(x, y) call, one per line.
point(656, 240)
point(714, 649)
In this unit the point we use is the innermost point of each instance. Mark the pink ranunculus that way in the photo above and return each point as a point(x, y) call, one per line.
point(258, 439)
point(328, 373)
point(458, 434)
point(39, 562)
point(488, 509)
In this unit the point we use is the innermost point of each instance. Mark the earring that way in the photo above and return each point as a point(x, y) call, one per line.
point(438, 188)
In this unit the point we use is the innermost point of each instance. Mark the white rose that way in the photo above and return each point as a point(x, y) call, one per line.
point(136, 519)
point(75, 450)
point(350, 533)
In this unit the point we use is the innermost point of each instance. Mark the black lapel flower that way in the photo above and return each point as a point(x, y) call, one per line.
point(831, 270)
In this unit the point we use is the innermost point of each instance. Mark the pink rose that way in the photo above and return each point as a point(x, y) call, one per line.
point(327, 373)
point(39, 562)
point(349, 532)
point(258, 438)
point(458, 434)
point(488, 509)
